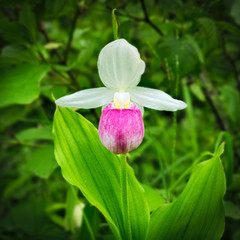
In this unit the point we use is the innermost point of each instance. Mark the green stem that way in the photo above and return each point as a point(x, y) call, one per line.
point(124, 196)
point(160, 165)
point(174, 139)
point(175, 120)
point(163, 175)
point(190, 116)
point(88, 226)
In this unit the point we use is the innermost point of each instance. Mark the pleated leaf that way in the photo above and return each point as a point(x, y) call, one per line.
point(104, 178)
point(198, 214)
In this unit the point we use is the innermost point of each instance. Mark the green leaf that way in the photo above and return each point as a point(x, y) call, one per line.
point(236, 235)
point(13, 186)
point(27, 219)
point(185, 51)
point(210, 32)
point(197, 91)
point(56, 8)
point(231, 210)
point(235, 184)
point(20, 84)
point(27, 19)
point(13, 32)
point(228, 160)
point(34, 217)
point(235, 11)
point(53, 213)
point(97, 173)
point(9, 116)
point(228, 27)
point(199, 211)
point(231, 101)
point(40, 133)
point(15, 54)
point(42, 161)
point(85, 49)
point(154, 198)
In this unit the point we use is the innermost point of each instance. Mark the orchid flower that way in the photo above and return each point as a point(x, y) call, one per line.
point(121, 127)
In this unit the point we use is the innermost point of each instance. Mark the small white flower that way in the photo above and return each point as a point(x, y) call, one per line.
point(120, 68)
point(78, 214)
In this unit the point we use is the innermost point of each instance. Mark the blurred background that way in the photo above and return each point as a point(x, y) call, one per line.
point(50, 49)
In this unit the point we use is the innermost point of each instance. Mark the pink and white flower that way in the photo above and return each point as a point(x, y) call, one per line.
point(121, 126)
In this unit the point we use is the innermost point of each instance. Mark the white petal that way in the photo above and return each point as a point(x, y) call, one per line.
point(89, 98)
point(155, 99)
point(120, 66)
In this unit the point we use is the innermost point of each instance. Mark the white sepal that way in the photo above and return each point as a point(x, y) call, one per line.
point(89, 98)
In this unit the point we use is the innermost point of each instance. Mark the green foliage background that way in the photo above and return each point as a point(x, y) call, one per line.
point(50, 49)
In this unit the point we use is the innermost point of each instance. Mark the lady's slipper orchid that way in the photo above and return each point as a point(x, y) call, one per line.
point(121, 126)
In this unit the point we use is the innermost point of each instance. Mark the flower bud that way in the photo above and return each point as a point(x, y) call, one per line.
point(78, 214)
point(121, 130)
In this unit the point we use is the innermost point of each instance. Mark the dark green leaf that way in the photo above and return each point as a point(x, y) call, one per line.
point(235, 11)
point(231, 101)
point(228, 27)
point(57, 8)
point(183, 56)
point(27, 19)
point(42, 161)
point(231, 210)
point(9, 116)
point(15, 54)
point(40, 133)
point(20, 84)
point(209, 30)
point(13, 32)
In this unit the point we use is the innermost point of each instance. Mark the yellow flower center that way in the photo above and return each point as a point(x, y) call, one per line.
point(121, 100)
